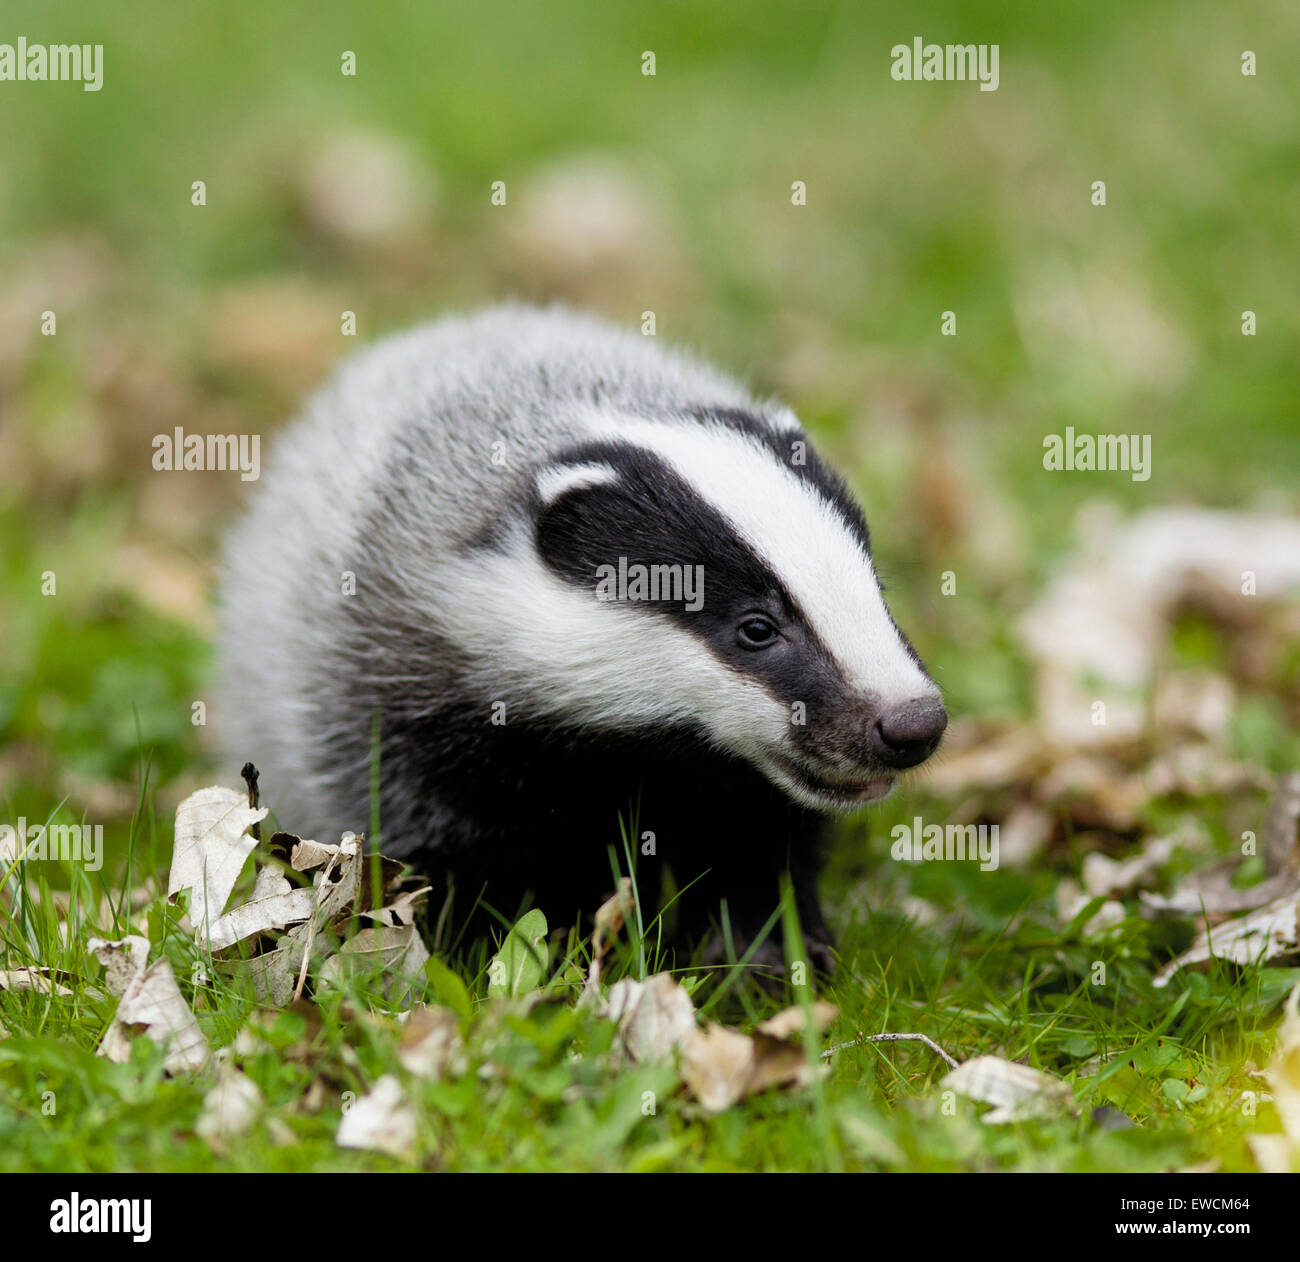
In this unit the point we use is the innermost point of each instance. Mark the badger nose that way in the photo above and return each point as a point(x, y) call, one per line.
point(909, 733)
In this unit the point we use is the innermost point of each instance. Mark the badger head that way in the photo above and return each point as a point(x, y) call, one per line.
point(710, 576)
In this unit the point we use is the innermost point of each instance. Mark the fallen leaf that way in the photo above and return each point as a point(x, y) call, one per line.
point(123, 961)
point(431, 1043)
point(45, 981)
point(307, 855)
point(610, 918)
point(721, 1066)
point(211, 845)
point(383, 1120)
point(717, 1063)
point(1272, 1153)
point(654, 1016)
point(401, 911)
point(1071, 900)
point(1263, 935)
point(397, 952)
point(260, 915)
point(1280, 1154)
point(151, 1001)
point(1210, 890)
point(976, 756)
point(273, 974)
point(790, 1022)
point(1096, 632)
point(1017, 1092)
point(1107, 877)
point(229, 1109)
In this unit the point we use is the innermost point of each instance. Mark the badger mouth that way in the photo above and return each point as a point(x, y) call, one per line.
point(825, 790)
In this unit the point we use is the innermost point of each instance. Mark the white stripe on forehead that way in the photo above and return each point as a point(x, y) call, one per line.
point(801, 537)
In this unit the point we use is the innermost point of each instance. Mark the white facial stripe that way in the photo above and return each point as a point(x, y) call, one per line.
point(561, 652)
point(559, 479)
point(803, 539)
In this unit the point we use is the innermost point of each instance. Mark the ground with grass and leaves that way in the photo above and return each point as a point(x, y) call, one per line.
point(1119, 843)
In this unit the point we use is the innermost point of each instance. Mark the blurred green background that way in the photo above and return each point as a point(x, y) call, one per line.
point(626, 193)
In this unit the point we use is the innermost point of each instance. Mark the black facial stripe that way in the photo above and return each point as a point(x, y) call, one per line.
point(814, 469)
point(652, 516)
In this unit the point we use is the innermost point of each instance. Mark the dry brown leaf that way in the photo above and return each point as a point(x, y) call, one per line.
point(431, 1043)
point(229, 1109)
point(1210, 892)
point(610, 918)
point(307, 855)
point(397, 951)
point(261, 915)
point(1282, 827)
point(270, 881)
point(1071, 899)
point(654, 1016)
point(45, 981)
point(211, 845)
point(1263, 935)
point(716, 1065)
point(338, 884)
point(273, 975)
point(341, 888)
point(401, 911)
point(791, 1022)
point(383, 1120)
point(722, 1066)
point(1280, 1154)
point(1018, 1092)
point(586, 226)
point(151, 1004)
point(123, 961)
point(1024, 834)
point(1107, 877)
point(1097, 631)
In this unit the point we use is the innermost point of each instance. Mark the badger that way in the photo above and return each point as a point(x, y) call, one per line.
point(528, 581)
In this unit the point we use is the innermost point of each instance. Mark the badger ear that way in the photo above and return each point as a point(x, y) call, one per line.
point(574, 516)
point(556, 481)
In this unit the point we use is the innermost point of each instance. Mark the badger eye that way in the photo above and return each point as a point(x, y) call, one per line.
point(756, 633)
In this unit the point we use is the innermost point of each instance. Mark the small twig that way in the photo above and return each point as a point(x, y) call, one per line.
point(893, 1038)
point(249, 774)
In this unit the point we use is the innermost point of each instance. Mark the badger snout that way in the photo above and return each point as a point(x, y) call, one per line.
point(907, 734)
point(853, 754)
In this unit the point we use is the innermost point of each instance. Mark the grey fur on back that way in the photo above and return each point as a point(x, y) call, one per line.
point(404, 435)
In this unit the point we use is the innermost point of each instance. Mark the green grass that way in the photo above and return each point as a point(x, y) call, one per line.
point(922, 199)
point(1012, 982)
